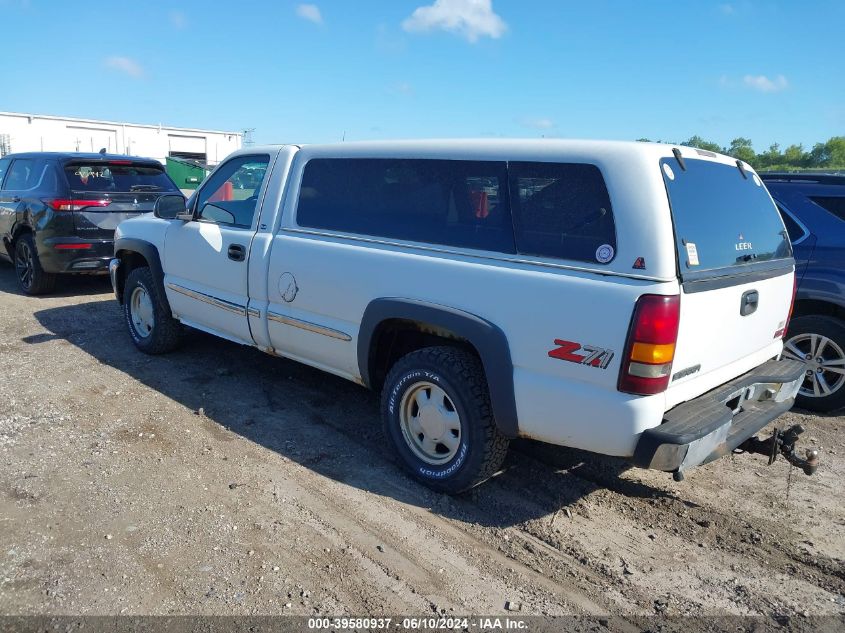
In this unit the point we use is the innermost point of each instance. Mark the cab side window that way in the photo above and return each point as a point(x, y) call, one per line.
point(792, 227)
point(230, 196)
point(4, 167)
point(562, 210)
point(449, 202)
point(24, 174)
point(831, 204)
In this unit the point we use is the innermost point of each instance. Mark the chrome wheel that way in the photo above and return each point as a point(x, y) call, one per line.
point(824, 362)
point(24, 264)
point(430, 423)
point(141, 312)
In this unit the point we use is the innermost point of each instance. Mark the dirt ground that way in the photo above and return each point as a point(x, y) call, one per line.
point(218, 480)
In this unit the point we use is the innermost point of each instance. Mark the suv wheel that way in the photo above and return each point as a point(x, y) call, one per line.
point(436, 414)
point(819, 342)
point(153, 329)
point(31, 277)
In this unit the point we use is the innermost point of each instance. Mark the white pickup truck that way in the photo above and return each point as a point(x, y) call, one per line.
point(624, 298)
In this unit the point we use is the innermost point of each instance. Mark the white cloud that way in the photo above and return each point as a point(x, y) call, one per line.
point(310, 12)
point(178, 19)
point(541, 123)
point(764, 84)
point(727, 9)
point(125, 65)
point(471, 19)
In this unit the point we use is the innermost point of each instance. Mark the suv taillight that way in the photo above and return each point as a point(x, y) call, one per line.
point(75, 205)
point(650, 348)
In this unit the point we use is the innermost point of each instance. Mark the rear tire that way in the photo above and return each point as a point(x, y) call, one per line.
point(823, 339)
point(151, 326)
point(436, 414)
point(31, 276)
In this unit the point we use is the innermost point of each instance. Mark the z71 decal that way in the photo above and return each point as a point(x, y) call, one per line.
point(590, 355)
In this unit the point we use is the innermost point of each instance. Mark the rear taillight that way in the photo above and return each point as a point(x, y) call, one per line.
point(781, 333)
point(73, 246)
point(75, 205)
point(650, 348)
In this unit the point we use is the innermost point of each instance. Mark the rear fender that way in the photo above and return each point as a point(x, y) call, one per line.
point(489, 341)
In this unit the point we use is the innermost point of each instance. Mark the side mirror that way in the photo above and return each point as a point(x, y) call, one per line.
point(172, 207)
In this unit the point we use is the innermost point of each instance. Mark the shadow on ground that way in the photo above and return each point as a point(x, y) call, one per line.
point(323, 422)
point(66, 285)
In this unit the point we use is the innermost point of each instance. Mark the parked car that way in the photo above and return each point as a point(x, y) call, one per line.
point(58, 211)
point(624, 298)
point(813, 209)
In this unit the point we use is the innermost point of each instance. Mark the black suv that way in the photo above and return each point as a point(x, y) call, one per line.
point(58, 211)
point(813, 209)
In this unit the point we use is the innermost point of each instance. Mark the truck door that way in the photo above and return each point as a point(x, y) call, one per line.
point(206, 259)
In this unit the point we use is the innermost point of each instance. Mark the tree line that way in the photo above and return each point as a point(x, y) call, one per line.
point(828, 155)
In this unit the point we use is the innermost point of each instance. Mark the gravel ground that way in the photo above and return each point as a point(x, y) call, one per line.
point(218, 480)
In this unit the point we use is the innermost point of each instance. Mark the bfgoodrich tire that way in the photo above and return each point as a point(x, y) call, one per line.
point(436, 413)
point(151, 326)
point(822, 339)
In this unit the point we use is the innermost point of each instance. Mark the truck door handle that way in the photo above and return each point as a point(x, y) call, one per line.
point(16, 198)
point(237, 252)
point(748, 303)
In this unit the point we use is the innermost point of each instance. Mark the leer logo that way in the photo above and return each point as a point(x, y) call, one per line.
point(742, 245)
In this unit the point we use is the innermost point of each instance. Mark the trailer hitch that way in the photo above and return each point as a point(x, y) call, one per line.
point(783, 443)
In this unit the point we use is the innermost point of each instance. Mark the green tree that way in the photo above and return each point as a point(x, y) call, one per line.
point(741, 148)
point(795, 156)
point(771, 156)
point(835, 148)
point(818, 156)
point(700, 143)
point(830, 154)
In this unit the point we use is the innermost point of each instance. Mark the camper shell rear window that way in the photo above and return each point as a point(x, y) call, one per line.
point(725, 221)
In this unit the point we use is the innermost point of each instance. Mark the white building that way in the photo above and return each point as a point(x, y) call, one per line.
point(36, 133)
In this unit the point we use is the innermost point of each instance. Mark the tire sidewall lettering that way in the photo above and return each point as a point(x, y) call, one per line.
point(399, 388)
point(450, 469)
point(127, 311)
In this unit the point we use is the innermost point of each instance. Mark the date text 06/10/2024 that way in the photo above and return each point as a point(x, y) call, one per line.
point(480, 624)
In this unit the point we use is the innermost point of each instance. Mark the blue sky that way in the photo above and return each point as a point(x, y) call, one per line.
point(767, 70)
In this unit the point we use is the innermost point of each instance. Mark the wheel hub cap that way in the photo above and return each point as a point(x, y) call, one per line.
point(24, 265)
point(824, 364)
point(141, 311)
point(431, 426)
point(432, 422)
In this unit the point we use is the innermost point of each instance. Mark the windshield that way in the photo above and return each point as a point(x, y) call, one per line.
point(106, 177)
point(723, 218)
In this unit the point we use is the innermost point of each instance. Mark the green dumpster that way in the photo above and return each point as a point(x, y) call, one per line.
point(186, 174)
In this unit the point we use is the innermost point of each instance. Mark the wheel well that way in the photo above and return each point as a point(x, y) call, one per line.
point(9, 244)
point(394, 338)
point(129, 261)
point(812, 306)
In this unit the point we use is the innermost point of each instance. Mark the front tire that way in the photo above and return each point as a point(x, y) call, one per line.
point(437, 416)
point(819, 342)
point(31, 276)
point(151, 326)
